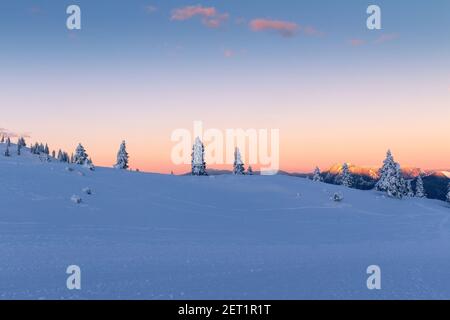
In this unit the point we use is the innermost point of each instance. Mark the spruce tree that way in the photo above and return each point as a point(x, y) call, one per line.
point(7, 154)
point(250, 171)
point(391, 180)
point(122, 157)
point(448, 193)
point(8, 142)
point(409, 189)
point(198, 158)
point(22, 142)
point(420, 190)
point(19, 147)
point(80, 156)
point(317, 177)
point(3, 139)
point(346, 177)
point(238, 166)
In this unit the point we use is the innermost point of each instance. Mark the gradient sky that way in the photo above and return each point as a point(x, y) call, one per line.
point(138, 70)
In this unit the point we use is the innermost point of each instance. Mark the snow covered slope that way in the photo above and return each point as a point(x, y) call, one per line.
point(235, 237)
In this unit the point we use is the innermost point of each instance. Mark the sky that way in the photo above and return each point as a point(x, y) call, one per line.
point(138, 70)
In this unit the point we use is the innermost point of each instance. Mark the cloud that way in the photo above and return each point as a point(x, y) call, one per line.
point(356, 42)
point(285, 28)
point(150, 9)
point(209, 15)
point(228, 53)
point(386, 38)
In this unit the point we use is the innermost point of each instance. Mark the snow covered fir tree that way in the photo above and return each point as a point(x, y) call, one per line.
point(409, 189)
point(346, 177)
point(80, 156)
point(420, 191)
point(391, 180)
point(122, 157)
point(317, 177)
point(198, 159)
point(448, 193)
point(238, 166)
point(250, 171)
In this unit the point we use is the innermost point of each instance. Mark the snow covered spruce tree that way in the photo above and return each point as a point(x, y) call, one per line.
point(60, 156)
point(198, 158)
point(409, 189)
point(448, 193)
point(250, 171)
point(420, 190)
point(346, 176)
point(7, 154)
point(2, 139)
point(391, 180)
point(122, 157)
point(238, 166)
point(317, 175)
point(19, 148)
point(80, 156)
point(8, 142)
point(21, 142)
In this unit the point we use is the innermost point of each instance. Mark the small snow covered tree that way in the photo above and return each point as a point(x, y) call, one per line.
point(7, 154)
point(238, 166)
point(420, 190)
point(391, 180)
point(60, 156)
point(8, 142)
point(346, 177)
point(198, 159)
point(122, 157)
point(89, 164)
point(409, 189)
point(317, 177)
point(448, 193)
point(3, 139)
point(21, 142)
point(19, 147)
point(250, 171)
point(80, 156)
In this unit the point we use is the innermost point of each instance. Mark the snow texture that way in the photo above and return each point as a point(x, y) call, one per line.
point(151, 236)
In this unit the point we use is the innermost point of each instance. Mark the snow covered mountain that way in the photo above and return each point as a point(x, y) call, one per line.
point(150, 236)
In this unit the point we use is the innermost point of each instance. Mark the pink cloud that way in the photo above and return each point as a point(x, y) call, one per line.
point(228, 53)
point(386, 38)
point(285, 28)
point(210, 16)
point(311, 31)
point(356, 42)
